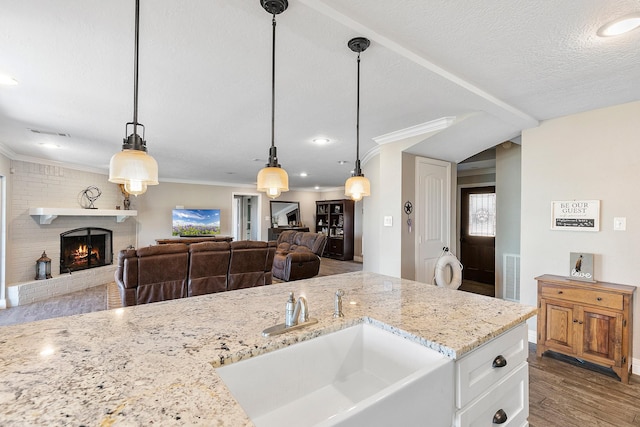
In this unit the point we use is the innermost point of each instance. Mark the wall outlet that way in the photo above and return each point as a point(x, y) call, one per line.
point(388, 221)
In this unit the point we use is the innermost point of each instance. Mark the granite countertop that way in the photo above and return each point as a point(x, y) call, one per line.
point(155, 363)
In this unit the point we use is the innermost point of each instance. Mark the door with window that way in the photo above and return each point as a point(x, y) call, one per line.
point(477, 234)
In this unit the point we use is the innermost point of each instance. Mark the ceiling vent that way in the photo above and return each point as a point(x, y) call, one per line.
point(50, 133)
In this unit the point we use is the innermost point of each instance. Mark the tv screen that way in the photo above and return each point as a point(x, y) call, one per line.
point(196, 222)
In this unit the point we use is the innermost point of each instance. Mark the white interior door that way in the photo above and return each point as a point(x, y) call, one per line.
point(432, 214)
point(236, 210)
point(246, 218)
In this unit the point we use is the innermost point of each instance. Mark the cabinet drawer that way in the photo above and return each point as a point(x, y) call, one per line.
point(475, 372)
point(583, 296)
point(335, 246)
point(511, 395)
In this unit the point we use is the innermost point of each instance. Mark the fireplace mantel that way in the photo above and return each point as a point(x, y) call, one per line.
point(46, 215)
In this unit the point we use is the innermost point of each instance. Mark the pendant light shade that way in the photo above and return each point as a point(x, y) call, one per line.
point(358, 186)
point(272, 179)
point(133, 167)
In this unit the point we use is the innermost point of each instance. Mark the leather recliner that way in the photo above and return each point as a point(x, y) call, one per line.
point(208, 267)
point(249, 259)
point(162, 272)
point(298, 255)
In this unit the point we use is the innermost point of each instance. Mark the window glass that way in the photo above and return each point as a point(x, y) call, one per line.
point(482, 215)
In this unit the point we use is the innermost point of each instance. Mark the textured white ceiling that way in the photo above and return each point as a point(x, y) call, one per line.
point(205, 74)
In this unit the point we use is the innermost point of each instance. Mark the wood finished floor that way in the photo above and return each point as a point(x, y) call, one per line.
point(560, 394)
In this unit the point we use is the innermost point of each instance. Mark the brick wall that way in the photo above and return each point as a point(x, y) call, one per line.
point(36, 185)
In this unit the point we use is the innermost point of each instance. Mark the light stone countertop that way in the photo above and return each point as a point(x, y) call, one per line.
point(155, 363)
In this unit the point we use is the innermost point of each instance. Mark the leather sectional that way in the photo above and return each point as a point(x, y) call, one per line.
point(177, 270)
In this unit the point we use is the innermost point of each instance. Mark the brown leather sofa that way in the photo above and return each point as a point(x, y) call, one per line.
point(298, 255)
point(170, 271)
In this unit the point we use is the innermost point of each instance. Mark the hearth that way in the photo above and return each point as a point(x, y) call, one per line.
point(85, 248)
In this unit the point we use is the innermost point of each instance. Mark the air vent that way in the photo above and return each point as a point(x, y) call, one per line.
point(50, 133)
point(511, 277)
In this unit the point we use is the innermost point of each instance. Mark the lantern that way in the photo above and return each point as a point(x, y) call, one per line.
point(43, 267)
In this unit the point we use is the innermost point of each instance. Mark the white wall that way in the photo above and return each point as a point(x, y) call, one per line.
point(154, 210)
point(592, 155)
point(408, 263)
point(371, 242)
point(508, 193)
point(5, 185)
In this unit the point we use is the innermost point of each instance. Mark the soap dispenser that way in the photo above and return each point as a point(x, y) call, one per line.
point(290, 309)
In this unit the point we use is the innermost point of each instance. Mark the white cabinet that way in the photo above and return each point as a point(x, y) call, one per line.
point(492, 382)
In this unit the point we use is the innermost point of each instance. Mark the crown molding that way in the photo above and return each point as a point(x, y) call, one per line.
point(370, 154)
point(421, 129)
point(12, 155)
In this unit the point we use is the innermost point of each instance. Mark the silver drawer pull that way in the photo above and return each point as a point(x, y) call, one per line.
point(499, 362)
point(500, 417)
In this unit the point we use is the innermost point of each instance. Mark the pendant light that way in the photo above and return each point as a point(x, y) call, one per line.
point(358, 186)
point(133, 167)
point(272, 179)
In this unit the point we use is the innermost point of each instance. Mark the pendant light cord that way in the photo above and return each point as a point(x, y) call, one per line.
point(357, 171)
point(135, 70)
point(273, 82)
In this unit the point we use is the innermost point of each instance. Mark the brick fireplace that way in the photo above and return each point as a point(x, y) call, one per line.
point(36, 185)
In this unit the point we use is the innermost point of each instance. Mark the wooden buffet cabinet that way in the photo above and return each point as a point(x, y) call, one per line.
point(588, 321)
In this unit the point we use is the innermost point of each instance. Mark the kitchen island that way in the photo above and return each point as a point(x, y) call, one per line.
point(156, 363)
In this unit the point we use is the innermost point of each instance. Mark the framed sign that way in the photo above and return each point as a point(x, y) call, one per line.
point(577, 215)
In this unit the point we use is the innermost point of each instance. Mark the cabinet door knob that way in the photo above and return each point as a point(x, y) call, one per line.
point(599, 298)
point(560, 292)
point(499, 362)
point(575, 320)
point(500, 417)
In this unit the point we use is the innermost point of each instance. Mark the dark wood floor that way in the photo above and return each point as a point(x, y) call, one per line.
point(478, 288)
point(561, 394)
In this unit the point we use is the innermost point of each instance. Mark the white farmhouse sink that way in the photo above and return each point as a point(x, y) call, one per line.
point(359, 376)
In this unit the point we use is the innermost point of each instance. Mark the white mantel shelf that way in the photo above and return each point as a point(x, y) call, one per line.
point(46, 215)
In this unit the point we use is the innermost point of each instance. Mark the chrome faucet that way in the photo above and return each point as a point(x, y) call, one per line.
point(296, 316)
point(296, 311)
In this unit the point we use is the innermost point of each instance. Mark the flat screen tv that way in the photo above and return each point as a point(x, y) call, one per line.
point(196, 222)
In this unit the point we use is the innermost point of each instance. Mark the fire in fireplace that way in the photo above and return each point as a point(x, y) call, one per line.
point(84, 248)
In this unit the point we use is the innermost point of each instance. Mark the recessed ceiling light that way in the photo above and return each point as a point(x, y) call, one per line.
point(7, 80)
point(317, 187)
point(620, 26)
point(303, 174)
point(49, 145)
point(322, 141)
